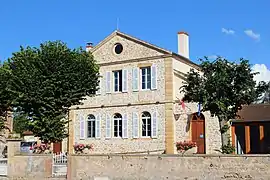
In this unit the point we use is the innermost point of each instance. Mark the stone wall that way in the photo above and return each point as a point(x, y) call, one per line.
point(169, 167)
point(212, 134)
point(30, 167)
point(130, 144)
point(131, 50)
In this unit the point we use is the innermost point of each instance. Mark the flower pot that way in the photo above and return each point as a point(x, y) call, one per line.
point(191, 151)
point(85, 151)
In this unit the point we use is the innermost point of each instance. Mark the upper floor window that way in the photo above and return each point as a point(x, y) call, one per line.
point(91, 126)
point(146, 78)
point(117, 79)
point(146, 124)
point(117, 125)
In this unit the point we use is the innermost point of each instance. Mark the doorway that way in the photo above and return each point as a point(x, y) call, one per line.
point(198, 131)
point(57, 147)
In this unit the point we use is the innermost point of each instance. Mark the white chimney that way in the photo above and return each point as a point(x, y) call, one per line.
point(183, 44)
point(89, 46)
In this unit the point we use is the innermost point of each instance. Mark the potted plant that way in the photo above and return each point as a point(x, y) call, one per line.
point(82, 148)
point(42, 148)
point(186, 146)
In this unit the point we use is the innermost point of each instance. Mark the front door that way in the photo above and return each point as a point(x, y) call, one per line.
point(198, 132)
point(57, 147)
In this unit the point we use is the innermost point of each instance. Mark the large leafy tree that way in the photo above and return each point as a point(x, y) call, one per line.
point(6, 96)
point(265, 98)
point(48, 80)
point(222, 87)
point(20, 123)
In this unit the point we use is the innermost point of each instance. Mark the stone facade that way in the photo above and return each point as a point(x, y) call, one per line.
point(171, 70)
point(104, 53)
point(169, 167)
point(130, 144)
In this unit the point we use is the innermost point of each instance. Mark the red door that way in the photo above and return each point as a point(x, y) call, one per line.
point(57, 147)
point(198, 132)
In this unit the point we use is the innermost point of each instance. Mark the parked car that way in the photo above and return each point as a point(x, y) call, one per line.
point(28, 147)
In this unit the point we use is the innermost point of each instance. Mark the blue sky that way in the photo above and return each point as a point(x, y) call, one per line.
point(230, 28)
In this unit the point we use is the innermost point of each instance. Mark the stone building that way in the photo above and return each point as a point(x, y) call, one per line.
point(137, 107)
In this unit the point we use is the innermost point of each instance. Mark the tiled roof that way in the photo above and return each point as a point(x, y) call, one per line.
point(255, 112)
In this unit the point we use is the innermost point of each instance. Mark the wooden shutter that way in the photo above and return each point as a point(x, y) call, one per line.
point(108, 82)
point(153, 76)
point(82, 126)
point(108, 126)
point(135, 79)
point(125, 126)
point(125, 81)
point(98, 124)
point(135, 125)
point(154, 125)
point(99, 87)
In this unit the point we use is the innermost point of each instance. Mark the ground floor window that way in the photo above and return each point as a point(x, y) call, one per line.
point(117, 123)
point(91, 126)
point(146, 124)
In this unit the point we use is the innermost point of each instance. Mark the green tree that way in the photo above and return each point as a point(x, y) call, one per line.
point(265, 98)
point(48, 80)
point(6, 96)
point(222, 88)
point(20, 123)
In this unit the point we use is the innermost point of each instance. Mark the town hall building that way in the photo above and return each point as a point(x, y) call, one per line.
point(137, 108)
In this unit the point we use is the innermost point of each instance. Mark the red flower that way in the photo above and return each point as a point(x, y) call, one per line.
point(185, 145)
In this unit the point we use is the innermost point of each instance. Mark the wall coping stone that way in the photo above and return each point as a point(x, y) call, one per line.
point(36, 155)
point(14, 139)
point(174, 155)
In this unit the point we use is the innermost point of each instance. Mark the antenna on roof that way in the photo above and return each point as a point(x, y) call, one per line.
point(117, 24)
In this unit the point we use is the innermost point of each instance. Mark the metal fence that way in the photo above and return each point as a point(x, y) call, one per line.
point(59, 165)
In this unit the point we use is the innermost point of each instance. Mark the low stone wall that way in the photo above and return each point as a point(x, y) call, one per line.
point(154, 167)
point(30, 167)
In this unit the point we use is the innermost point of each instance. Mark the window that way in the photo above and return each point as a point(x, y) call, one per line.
point(91, 122)
point(146, 77)
point(118, 48)
point(146, 124)
point(117, 125)
point(117, 76)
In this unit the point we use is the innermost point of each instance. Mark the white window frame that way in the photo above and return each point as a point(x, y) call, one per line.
point(118, 81)
point(91, 119)
point(147, 120)
point(118, 119)
point(148, 68)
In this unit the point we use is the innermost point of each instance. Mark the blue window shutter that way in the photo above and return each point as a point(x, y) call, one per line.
point(154, 125)
point(153, 76)
point(125, 81)
point(108, 126)
point(135, 79)
point(108, 82)
point(82, 126)
point(98, 125)
point(135, 125)
point(125, 126)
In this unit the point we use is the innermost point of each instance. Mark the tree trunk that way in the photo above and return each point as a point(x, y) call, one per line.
point(224, 135)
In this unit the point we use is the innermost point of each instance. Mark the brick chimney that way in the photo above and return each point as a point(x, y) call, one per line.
point(89, 46)
point(183, 44)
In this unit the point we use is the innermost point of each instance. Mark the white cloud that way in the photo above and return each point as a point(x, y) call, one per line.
point(228, 31)
point(264, 72)
point(252, 34)
point(212, 57)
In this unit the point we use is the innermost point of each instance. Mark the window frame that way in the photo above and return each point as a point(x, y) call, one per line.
point(119, 81)
point(92, 120)
point(119, 118)
point(148, 119)
point(147, 81)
